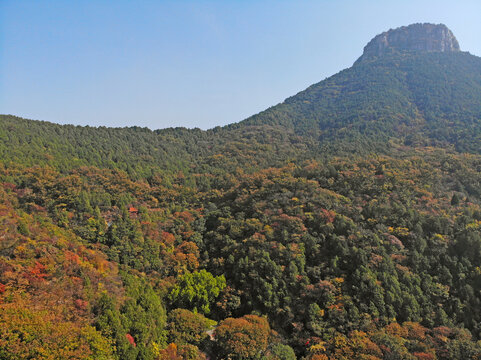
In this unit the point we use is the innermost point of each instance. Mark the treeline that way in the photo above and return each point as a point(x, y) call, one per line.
point(143, 153)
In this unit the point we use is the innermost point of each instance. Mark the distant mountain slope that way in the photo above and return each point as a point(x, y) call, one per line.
point(142, 152)
point(418, 97)
point(411, 87)
point(67, 146)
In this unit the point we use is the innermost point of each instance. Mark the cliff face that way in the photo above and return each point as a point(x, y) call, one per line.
point(416, 37)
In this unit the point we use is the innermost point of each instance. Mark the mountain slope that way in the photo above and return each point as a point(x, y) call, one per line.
point(428, 98)
point(344, 223)
point(401, 96)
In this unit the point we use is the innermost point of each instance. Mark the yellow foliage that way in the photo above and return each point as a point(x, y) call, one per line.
point(399, 231)
point(318, 348)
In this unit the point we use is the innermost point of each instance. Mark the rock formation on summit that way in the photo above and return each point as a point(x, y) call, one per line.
point(416, 37)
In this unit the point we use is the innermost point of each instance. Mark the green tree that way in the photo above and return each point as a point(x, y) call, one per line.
point(197, 291)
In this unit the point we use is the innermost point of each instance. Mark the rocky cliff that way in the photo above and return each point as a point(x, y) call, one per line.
point(416, 37)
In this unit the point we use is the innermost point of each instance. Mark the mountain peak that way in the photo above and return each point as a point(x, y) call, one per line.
point(415, 37)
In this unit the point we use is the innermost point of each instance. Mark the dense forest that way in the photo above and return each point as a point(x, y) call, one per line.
point(343, 223)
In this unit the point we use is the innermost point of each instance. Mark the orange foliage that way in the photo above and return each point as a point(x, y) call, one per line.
point(242, 337)
point(319, 357)
point(81, 304)
point(424, 356)
point(415, 331)
point(328, 215)
point(72, 258)
point(167, 238)
point(396, 330)
point(184, 215)
point(37, 272)
point(181, 352)
point(169, 353)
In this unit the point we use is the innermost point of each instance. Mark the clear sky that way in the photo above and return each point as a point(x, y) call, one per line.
point(190, 63)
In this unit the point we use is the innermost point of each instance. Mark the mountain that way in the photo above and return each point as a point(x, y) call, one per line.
point(401, 88)
point(343, 223)
point(411, 86)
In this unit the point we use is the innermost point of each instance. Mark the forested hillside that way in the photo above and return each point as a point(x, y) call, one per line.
point(343, 223)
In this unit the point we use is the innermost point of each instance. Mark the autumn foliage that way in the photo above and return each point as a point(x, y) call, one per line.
point(338, 258)
point(242, 338)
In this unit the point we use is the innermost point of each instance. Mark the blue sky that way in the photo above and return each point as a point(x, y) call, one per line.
point(190, 63)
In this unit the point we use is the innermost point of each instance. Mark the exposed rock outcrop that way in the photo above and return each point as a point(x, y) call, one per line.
point(416, 37)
